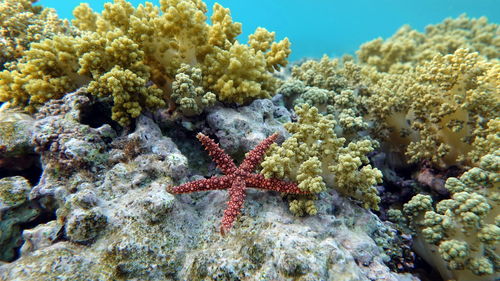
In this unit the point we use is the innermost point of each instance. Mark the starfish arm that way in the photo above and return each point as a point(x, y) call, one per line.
point(254, 157)
point(212, 183)
point(259, 181)
point(234, 205)
point(223, 161)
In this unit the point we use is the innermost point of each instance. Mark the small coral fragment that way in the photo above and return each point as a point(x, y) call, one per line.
point(187, 92)
point(22, 23)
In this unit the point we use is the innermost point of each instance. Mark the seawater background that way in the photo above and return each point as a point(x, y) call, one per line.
point(317, 27)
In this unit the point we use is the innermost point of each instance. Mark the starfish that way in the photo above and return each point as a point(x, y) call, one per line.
point(236, 179)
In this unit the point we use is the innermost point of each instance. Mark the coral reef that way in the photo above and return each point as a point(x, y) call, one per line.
point(151, 235)
point(115, 220)
point(441, 110)
point(98, 124)
point(431, 96)
point(430, 99)
point(133, 56)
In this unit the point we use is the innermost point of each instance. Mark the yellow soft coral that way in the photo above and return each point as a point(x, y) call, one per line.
point(223, 31)
point(130, 93)
point(422, 102)
point(22, 23)
point(316, 158)
point(188, 93)
point(263, 40)
point(345, 106)
point(439, 110)
point(148, 44)
point(408, 47)
point(460, 235)
point(326, 73)
point(238, 74)
point(47, 71)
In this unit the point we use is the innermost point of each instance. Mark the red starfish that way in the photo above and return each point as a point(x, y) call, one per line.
point(236, 179)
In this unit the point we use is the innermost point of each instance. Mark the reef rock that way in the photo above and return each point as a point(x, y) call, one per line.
point(15, 210)
point(152, 235)
point(16, 149)
point(241, 129)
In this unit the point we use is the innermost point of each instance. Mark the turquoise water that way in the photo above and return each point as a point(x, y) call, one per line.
point(318, 27)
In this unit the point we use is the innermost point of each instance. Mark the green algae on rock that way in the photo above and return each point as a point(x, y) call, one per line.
point(15, 210)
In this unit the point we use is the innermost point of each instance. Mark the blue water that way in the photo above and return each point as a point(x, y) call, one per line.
point(318, 27)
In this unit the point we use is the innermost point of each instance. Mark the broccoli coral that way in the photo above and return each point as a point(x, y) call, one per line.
point(188, 93)
point(316, 158)
point(329, 74)
point(47, 71)
point(464, 230)
point(443, 110)
point(130, 54)
point(429, 97)
point(21, 24)
point(408, 47)
point(344, 105)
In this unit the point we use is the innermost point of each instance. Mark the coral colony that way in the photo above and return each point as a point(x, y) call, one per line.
point(117, 53)
point(389, 168)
